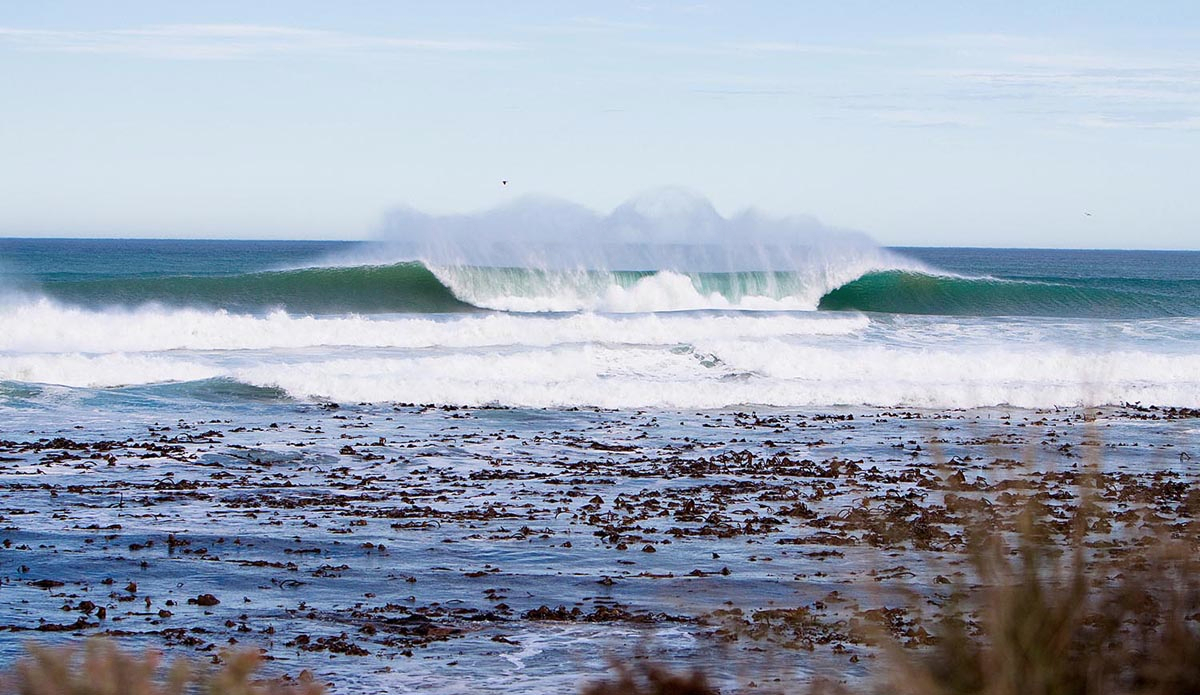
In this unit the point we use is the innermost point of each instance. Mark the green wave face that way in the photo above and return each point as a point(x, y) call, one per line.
point(903, 292)
point(404, 287)
point(412, 287)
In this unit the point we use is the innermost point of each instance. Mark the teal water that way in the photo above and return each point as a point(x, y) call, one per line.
point(308, 277)
point(170, 321)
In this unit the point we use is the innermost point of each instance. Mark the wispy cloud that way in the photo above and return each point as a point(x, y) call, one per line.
point(917, 118)
point(743, 91)
point(591, 25)
point(786, 47)
point(1144, 121)
point(1100, 87)
point(226, 41)
point(1130, 97)
point(1161, 84)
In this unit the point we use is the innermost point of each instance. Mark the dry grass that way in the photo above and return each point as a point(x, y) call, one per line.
point(1047, 622)
point(651, 680)
point(104, 669)
point(1042, 621)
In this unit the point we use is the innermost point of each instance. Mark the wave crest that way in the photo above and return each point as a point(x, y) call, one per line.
point(416, 287)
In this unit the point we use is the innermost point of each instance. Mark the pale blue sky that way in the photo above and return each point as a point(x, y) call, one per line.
point(936, 123)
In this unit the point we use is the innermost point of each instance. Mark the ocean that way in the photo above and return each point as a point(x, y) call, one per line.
point(453, 468)
point(917, 327)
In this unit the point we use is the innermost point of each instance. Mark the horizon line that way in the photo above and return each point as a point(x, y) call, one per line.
point(368, 240)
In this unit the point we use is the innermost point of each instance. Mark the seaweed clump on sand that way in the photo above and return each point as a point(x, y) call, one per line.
point(104, 669)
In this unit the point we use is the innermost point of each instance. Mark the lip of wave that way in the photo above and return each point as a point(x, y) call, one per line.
point(662, 291)
point(49, 327)
point(798, 289)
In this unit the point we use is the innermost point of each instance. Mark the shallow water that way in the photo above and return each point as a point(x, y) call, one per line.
point(442, 529)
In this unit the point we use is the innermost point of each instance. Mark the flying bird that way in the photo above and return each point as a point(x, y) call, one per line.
point(504, 183)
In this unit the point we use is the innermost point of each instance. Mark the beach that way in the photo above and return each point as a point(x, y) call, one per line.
point(401, 547)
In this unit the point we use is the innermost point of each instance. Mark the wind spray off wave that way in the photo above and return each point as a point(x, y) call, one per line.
point(660, 303)
point(664, 251)
point(667, 250)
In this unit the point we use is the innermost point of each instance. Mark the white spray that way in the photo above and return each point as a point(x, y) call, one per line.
point(663, 250)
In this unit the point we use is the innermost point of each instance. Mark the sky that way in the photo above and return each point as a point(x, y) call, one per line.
point(1048, 124)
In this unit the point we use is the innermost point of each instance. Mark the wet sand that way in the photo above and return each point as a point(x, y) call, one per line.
point(389, 548)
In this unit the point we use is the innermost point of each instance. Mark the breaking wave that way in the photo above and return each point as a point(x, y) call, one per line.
point(861, 284)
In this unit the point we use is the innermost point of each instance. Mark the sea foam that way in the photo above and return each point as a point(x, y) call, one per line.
point(685, 360)
point(47, 326)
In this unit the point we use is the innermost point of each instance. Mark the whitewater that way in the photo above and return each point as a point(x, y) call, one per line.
point(662, 303)
point(424, 445)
